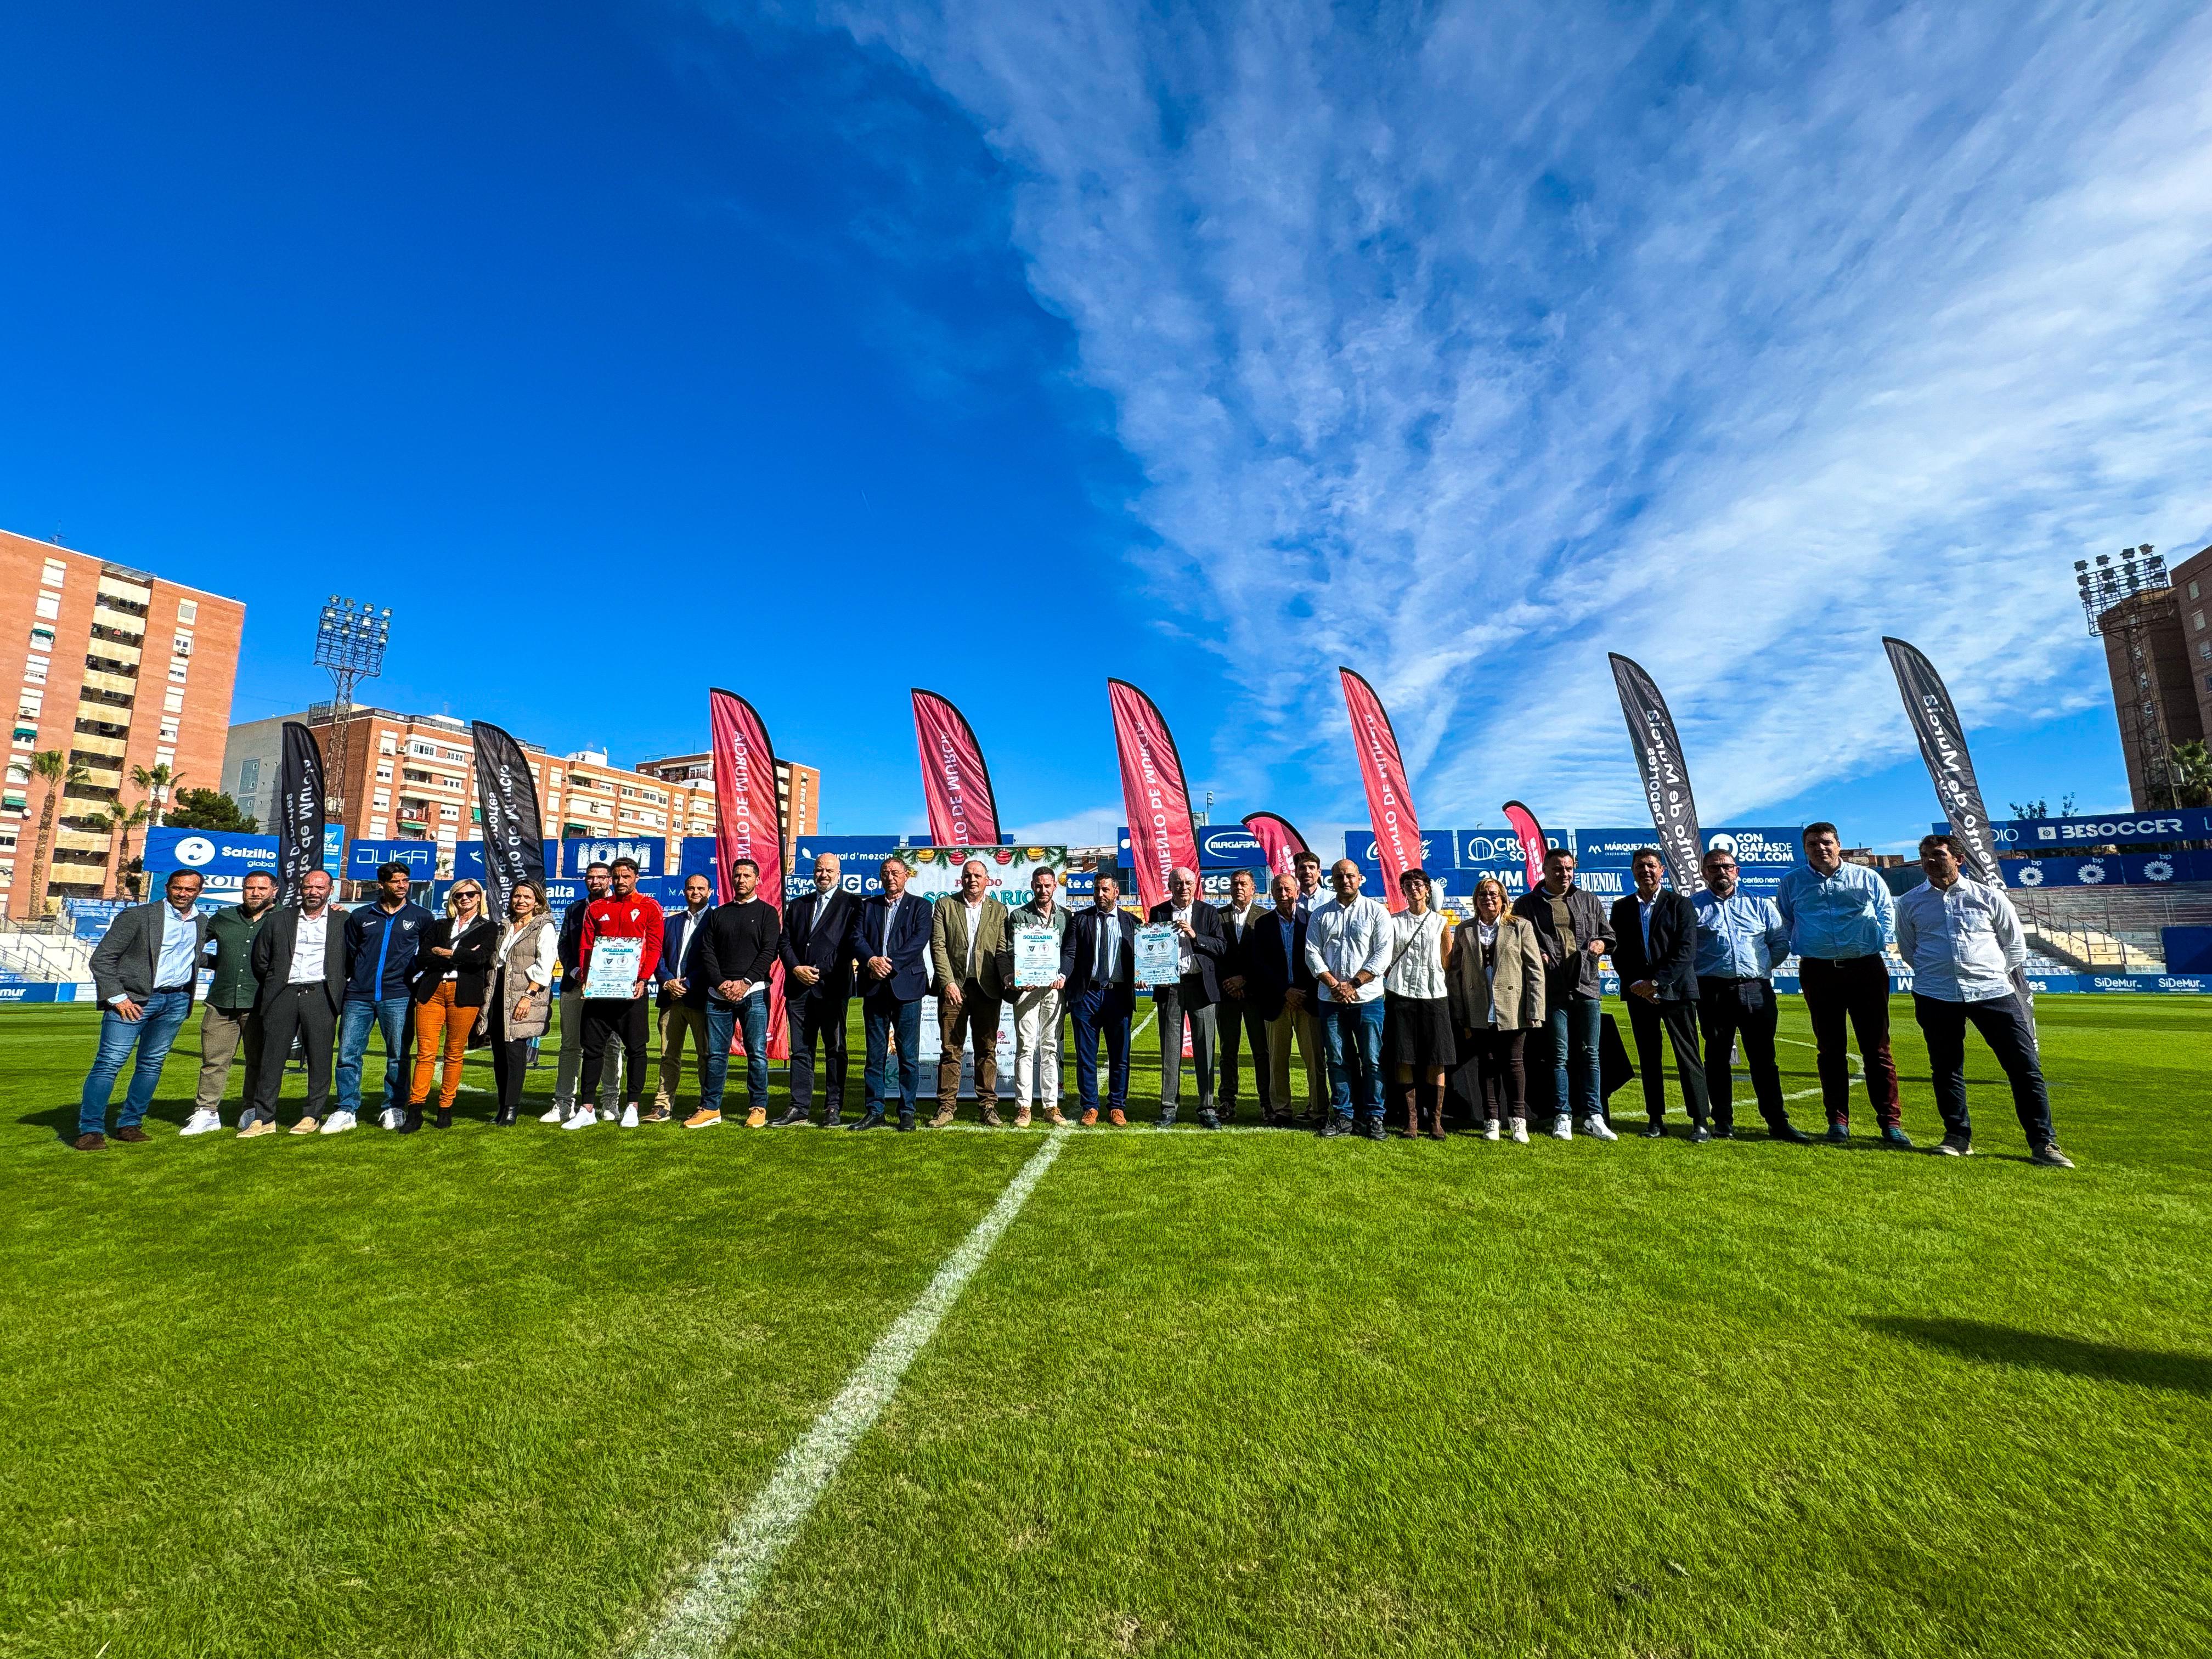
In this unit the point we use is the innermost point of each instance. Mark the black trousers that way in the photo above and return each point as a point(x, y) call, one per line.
point(2003, 1026)
point(1502, 1077)
point(815, 1013)
point(1231, 1015)
point(1677, 1019)
point(303, 1011)
point(1733, 1008)
point(1856, 988)
point(510, 1056)
point(618, 1018)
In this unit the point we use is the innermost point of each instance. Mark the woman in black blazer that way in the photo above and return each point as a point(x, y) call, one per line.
point(451, 969)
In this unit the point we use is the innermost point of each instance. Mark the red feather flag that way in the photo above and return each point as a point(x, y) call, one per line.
point(748, 824)
point(954, 782)
point(1278, 839)
point(1153, 792)
point(1390, 796)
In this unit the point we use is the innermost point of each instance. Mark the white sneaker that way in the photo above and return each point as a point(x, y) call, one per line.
point(1599, 1129)
point(1521, 1131)
point(629, 1116)
point(1489, 1129)
point(202, 1121)
point(584, 1118)
point(555, 1116)
point(337, 1123)
point(390, 1118)
point(1563, 1127)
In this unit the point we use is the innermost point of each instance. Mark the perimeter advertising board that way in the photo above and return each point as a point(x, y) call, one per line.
point(937, 873)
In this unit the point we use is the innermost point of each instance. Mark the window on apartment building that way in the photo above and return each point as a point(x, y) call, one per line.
point(169, 726)
point(177, 673)
point(49, 607)
point(28, 703)
point(42, 637)
point(173, 702)
point(384, 773)
point(188, 610)
point(2197, 621)
point(165, 757)
point(380, 826)
point(447, 810)
point(54, 571)
point(452, 755)
point(387, 745)
point(182, 646)
point(34, 672)
point(428, 750)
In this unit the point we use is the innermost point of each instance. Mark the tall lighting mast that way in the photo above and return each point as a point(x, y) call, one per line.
point(2111, 597)
point(350, 641)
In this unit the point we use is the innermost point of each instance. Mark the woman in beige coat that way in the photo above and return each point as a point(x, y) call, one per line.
point(1496, 986)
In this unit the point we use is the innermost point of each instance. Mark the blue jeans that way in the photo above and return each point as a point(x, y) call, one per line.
point(1352, 1040)
point(160, 1017)
point(1573, 1025)
point(881, 1015)
point(359, 1018)
point(715, 1065)
point(1097, 1013)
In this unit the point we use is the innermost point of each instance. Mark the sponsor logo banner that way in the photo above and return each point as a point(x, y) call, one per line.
point(211, 853)
point(2113, 829)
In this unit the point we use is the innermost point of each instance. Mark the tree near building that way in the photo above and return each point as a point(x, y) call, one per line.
point(58, 772)
point(119, 824)
point(207, 809)
point(2192, 774)
point(156, 782)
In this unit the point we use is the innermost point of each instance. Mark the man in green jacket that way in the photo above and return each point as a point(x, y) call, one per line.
point(227, 1020)
point(967, 935)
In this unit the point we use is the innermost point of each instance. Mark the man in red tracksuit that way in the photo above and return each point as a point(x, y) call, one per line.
point(622, 913)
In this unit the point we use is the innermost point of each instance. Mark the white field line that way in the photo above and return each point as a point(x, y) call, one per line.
point(1858, 1066)
point(701, 1621)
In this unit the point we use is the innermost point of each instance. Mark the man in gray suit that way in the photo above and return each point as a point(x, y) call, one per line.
point(144, 972)
point(299, 961)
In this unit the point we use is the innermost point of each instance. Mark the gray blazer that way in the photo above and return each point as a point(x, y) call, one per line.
point(124, 961)
point(272, 955)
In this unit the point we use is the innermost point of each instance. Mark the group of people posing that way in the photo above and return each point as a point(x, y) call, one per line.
point(1383, 1010)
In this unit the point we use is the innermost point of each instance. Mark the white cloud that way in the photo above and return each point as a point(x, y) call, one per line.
point(1467, 346)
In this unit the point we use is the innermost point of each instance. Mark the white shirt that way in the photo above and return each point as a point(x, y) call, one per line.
point(1343, 938)
point(974, 932)
point(308, 947)
point(1961, 942)
point(1186, 959)
point(691, 922)
point(540, 972)
point(1417, 968)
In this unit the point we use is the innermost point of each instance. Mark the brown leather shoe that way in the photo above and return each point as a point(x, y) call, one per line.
point(991, 1118)
point(134, 1133)
point(1117, 1119)
point(1089, 1117)
point(944, 1116)
point(92, 1142)
point(1052, 1115)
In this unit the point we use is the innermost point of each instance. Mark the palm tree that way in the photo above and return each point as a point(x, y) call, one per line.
point(118, 823)
point(60, 772)
point(2192, 774)
point(157, 782)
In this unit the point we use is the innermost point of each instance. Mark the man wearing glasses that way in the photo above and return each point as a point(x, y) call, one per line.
point(1740, 938)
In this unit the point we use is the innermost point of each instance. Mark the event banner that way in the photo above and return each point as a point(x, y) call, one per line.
point(1942, 740)
point(859, 863)
point(1153, 792)
point(1764, 854)
point(299, 811)
point(222, 860)
point(1279, 841)
point(936, 873)
point(954, 782)
point(2108, 870)
point(365, 858)
point(748, 824)
point(513, 831)
point(1531, 837)
point(1389, 796)
point(2115, 830)
point(1666, 773)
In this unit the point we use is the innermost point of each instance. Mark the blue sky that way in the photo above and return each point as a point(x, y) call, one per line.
point(999, 347)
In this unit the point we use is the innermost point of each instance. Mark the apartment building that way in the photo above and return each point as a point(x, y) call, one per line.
point(412, 777)
point(798, 789)
point(121, 671)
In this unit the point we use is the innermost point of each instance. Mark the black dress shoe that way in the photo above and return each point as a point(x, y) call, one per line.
point(1208, 1121)
point(1652, 1132)
point(412, 1122)
point(794, 1115)
point(1790, 1132)
point(1372, 1129)
point(506, 1116)
point(444, 1117)
point(873, 1120)
point(1724, 1132)
point(1335, 1127)
point(1699, 1134)
point(905, 1122)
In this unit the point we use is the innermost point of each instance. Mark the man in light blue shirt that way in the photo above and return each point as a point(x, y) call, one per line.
point(1740, 938)
point(1963, 942)
point(1841, 917)
point(145, 970)
point(1348, 945)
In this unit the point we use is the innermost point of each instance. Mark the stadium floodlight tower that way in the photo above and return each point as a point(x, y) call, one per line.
point(350, 641)
point(2112, 599)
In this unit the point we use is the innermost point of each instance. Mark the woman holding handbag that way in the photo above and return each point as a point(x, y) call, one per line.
point(1417, 1032)
point(448, 989)
point(523, 962)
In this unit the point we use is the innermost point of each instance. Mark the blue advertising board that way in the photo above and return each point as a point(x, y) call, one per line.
point(860, 860)
point(212, 853)
point(1220, 846)
point(334, 851)
point(1764, 854)
point(2108, 870)
point(365, 858)
point(2112, 829)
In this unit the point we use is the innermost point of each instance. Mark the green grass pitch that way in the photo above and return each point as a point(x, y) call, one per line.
point(494, 1392)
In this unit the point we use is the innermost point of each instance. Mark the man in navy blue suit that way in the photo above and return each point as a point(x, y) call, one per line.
point(890, 936)
point(818, 984)
point(1098, 959)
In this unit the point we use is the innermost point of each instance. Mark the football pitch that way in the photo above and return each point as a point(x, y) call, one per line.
point(504, 1391)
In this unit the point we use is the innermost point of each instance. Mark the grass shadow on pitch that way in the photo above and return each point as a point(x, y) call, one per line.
point(2003, 1345)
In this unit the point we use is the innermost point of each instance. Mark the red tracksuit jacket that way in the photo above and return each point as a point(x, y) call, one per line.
point(634, 917)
